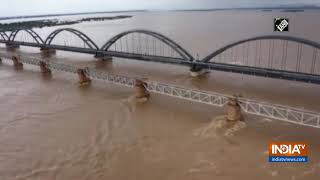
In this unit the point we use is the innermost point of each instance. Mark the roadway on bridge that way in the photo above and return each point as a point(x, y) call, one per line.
point(284, 92)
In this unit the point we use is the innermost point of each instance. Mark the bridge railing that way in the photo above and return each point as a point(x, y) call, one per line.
point(264, 109)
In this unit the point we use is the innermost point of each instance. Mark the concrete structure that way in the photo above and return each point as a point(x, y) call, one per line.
point(233, 110)
point(46, 52)
point(16, 62)
point(44, 68)
point(141, 93)
point(83, 78)
point(12, 47)
point(197, 71)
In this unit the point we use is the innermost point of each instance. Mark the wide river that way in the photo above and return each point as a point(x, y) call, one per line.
point(52, 129)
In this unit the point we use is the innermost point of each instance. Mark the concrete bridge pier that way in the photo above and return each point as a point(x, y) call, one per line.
point(16, 63)
point(44, 68)
point(196, 71)
point(47, 52)
point(12, 47)
point(103, 61)
point(83, 78)
point(141, 93)
point(234, 110)
point(105, 58)
point(102, 57)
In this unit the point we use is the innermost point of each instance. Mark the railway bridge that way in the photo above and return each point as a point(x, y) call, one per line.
point(280, 57)
point(283, 57)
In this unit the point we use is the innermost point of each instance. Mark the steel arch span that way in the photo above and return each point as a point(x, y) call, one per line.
point(89, 42)
point(4, 36)
point(267, 37)
point(31, 32)
point(161, 38)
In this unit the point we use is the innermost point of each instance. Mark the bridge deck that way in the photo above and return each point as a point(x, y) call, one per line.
point(249, 70)
point(259, 88)
point(279, 112)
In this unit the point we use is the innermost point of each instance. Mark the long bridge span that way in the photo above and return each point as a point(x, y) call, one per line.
point(268, 110)
point(282, 57)
point(269, 59)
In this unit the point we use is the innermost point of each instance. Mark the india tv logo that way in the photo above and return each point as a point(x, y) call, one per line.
point(288, 152)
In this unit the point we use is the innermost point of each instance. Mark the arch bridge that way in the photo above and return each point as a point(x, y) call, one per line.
point(4, 36)
point(282, 57)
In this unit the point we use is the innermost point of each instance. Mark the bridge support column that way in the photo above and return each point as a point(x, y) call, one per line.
point(105, 58)
point(12, 47)
point(233, 110)
point(46, 52)
point(102, 57)
point(83, 78)
point(197, 71)
point(44, 68)
point(103, 62)
point(141, 93)
point(16, 63)
point(0, 60)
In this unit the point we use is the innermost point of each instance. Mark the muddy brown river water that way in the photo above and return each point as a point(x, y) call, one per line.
point(52, 129)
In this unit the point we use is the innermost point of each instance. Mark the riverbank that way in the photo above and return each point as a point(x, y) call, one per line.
point(55, 22)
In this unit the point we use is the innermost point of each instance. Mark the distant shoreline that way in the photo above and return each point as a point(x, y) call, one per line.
point(65, 14)
point(282, 8)
point(262, 9)
point(52, 22)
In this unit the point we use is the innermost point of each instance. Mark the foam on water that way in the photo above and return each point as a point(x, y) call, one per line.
point(220, 126)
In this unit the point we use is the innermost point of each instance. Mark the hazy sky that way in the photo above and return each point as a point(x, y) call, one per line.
point(30, 7)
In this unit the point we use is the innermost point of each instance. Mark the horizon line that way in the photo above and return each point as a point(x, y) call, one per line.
point(150, 10)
